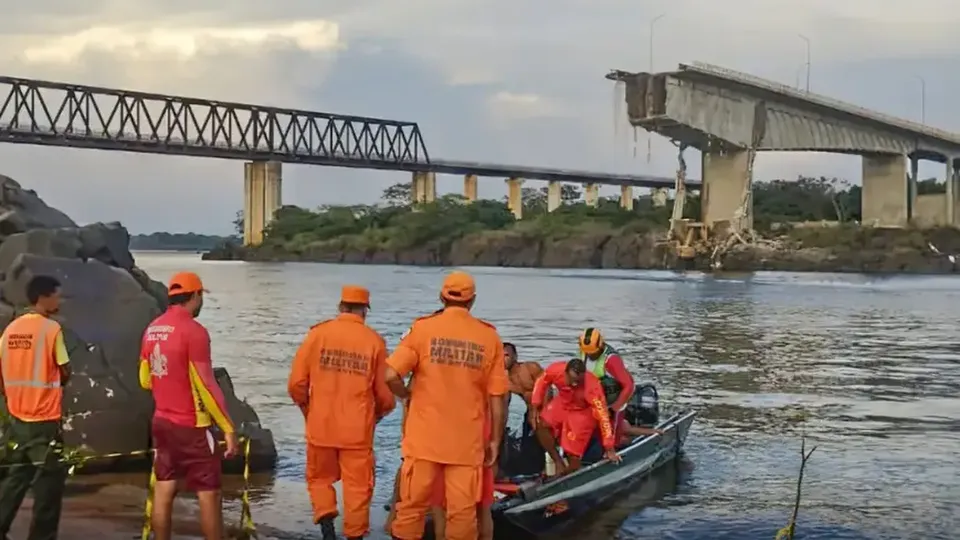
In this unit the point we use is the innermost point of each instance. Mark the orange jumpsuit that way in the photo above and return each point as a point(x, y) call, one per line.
point(577, 411)
point(457, 362)
point(337, 380)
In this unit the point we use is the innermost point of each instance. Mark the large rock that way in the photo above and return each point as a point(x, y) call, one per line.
point(108, 302)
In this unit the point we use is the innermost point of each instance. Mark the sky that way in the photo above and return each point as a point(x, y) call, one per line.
point(492, 80)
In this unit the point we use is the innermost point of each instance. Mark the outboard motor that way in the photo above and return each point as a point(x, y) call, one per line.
point(643, 409)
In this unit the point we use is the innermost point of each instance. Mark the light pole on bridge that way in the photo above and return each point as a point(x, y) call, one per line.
point(653, 22)
point(807, 41)
point(923, 99)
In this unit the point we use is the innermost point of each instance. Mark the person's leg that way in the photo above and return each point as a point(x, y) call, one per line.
point(439, 516)
point(356, 471)
point(416, 488)
point(484, 515)
point(485, 522)
point(396, 497)
point(578, 428)
point(201, 464)
point(551, 422)
point(48, 484)
point(323, 470)
point(19, 476)
point(462, 485)
point(166, 443)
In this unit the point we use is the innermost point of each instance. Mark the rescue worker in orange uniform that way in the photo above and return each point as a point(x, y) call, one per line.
point(35, 367)
point(457, 363)
point(337, 380)
point(575, 414)
point(175, 365)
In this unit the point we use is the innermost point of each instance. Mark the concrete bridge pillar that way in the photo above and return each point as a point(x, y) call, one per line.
point(725, 195)
point(912, 190)
point(424, 187)
point(626, 198)
point(262, 197)
point(659, 196)
point(591, 194)
point(554, 199)
point(470, 188)
point(951, 179)
point(885, 191)
point(515, 196)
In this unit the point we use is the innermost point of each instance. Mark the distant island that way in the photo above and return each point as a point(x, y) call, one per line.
point(808, 224)
point(164, 241)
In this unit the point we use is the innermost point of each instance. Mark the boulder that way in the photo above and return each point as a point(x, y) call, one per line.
point(107, 304)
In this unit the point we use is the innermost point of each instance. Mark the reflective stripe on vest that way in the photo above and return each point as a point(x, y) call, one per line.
point(39, 345)
point(599, 366)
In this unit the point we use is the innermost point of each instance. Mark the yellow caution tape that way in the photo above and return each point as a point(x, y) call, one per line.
point(75, 460)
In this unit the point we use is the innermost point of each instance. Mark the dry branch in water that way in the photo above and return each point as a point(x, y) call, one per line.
point(787, 532)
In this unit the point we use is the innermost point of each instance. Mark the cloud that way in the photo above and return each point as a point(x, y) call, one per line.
point(491, 80)
point(508, 106)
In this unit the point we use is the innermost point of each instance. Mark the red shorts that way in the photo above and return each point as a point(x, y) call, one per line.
point(486, 490)
point(572, 428)
point(186, 453)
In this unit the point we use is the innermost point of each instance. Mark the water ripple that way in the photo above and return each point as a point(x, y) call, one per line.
point(866, 367)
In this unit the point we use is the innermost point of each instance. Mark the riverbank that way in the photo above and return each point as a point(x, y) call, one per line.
point(847, 248)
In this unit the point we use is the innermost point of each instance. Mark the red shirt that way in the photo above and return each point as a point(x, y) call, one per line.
point(175, 364)
point(586, 396)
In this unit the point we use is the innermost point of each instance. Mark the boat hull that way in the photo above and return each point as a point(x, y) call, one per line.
point(542, 508)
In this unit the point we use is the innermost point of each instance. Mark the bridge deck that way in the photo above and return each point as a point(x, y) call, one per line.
point(48, 113)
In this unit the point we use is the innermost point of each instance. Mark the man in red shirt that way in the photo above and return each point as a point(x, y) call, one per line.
point(574, 414)
point(175, 364)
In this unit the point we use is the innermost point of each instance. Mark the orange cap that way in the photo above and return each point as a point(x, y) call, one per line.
point(458, 287)
point(355, 294)
point(184, 283)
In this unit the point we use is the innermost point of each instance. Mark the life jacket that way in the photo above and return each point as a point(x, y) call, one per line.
point(611, 388)
point(31, 377)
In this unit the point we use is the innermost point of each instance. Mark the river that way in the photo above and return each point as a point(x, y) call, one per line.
point(866, 367)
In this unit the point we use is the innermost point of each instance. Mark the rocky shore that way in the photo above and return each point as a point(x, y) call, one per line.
point(812, 249)
point(108, 303)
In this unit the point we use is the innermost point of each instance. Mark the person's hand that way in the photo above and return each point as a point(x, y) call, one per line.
point(233, 445)
point(491, 454)
point(535, 419)
point(613, 456)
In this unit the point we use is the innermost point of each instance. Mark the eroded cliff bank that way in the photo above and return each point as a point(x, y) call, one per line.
point(108, 303)
point(846, 248)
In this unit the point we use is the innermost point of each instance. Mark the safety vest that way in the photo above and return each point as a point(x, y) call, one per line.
point(31, 376)
point(611, 388)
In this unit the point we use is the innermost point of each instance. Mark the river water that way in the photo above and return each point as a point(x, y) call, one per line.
point(865, 367)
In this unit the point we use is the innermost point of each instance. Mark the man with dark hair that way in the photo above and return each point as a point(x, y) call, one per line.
point(522, 375)
point(574, 415)
point(175, 364)
point(35, 367)
point(337, 380)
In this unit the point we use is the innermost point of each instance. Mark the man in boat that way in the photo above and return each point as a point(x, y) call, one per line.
point(337, 380)
point(455, 358)
point(606, 364)
point(573, 416)
point(522, 375)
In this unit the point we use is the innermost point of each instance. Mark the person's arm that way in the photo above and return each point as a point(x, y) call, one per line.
point(540, 387)
point(497, 388)
point(62, 359)
point(594, 394)
point(618, 371)
point(3, 353)
point(637, 431)
point(383, 397)
point(534, 370)
point(204, 382)
point(402, 362)
point(298, 384)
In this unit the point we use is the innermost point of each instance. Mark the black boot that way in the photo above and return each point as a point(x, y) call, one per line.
point(327, 529)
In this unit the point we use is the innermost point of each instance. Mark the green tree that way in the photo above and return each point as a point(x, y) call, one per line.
point(399, 194)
